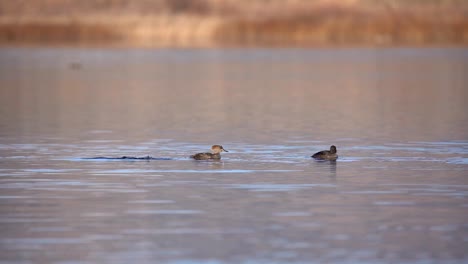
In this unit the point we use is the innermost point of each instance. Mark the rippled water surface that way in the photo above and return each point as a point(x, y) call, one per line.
point(397, 194)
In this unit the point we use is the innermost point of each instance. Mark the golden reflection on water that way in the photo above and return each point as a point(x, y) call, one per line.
point(330, 93)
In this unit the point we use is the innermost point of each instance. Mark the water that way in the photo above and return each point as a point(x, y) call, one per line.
point(397, 194)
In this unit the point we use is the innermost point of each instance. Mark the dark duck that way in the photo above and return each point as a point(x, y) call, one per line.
point(326, 154)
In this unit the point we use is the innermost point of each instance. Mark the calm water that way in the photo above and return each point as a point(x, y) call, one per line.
point(397, 194)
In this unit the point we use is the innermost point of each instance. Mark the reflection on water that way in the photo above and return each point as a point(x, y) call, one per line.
point(397, 194)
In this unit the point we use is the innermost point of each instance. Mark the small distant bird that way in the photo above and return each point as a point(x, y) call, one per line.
point(215, 155)
point(326, 154)
point(75, 65)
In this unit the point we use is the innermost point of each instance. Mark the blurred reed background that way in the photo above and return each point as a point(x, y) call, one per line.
point(211, 23)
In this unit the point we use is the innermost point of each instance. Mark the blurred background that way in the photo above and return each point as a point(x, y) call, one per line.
point(208, 23)
point(84, 83)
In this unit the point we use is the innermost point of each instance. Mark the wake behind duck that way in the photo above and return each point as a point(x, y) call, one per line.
point(128, 158)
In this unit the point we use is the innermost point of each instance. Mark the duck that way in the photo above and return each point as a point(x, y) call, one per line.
point(326, 154)
point(215, 155)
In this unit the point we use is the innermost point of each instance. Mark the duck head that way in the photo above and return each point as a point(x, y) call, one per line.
point(217, 149)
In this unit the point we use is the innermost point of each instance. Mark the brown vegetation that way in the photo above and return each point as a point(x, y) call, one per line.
point(189, 23)
point(338, 25)
point(58, 33)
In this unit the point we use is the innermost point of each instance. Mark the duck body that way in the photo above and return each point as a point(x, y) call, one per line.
point(215, 155)
point(326, 154)
point(206, 156)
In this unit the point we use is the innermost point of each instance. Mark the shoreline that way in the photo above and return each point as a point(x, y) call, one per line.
point(328, 25)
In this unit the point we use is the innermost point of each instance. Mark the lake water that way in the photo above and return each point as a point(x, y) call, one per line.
point(397, 194)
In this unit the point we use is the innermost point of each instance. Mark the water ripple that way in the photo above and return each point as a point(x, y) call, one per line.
point(165, 212)
point(275, 187)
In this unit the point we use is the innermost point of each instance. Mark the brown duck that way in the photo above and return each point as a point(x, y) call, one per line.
point(214, 155)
